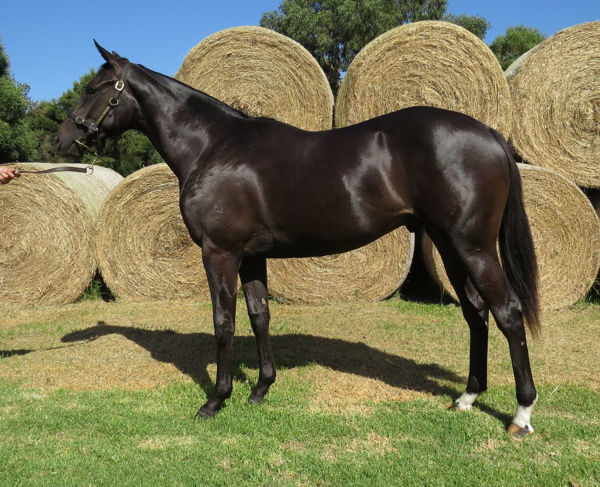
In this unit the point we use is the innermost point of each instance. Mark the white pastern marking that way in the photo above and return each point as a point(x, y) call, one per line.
point(523, 416)
point(465, 401)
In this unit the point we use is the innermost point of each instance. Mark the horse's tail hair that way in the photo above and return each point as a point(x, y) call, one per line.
point(516, 245)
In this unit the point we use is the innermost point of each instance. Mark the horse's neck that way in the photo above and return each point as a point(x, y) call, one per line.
point(177, 119)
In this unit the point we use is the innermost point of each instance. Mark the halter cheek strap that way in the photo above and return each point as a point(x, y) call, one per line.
point(93, 126)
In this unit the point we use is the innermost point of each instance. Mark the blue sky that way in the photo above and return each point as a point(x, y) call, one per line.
point(49, 43)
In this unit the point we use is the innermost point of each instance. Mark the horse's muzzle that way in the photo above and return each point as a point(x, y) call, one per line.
point(66, 149)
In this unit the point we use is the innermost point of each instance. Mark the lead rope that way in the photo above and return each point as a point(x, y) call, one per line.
point(88, 169)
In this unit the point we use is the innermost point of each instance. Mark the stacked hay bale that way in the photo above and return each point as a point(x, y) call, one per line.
point(425, 63)
point(566, 237)
point(370, 273)
point(555, 89)
point(143, 248)
point(264, 73)
point(47, 233)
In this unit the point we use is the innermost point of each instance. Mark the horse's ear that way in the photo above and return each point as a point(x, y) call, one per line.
point(111, 58)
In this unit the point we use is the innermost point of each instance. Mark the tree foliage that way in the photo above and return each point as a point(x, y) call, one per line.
point(517, 40)
point(45, 117)
point(473, 23)
point(334, 31)
point(17, 142)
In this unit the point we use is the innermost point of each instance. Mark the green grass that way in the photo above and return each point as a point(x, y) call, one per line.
point(149, 438)
point(116, 437)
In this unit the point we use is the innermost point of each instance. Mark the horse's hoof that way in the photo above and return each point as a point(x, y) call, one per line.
point(204, 413)
point(256, 399)
point(518, 431)
point(456, 406)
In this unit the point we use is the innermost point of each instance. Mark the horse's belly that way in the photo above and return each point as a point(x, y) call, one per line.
point(332, 236)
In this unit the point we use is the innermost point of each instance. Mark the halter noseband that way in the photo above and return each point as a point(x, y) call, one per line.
point(91, 126)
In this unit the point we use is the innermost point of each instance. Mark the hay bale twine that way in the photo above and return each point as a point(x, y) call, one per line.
point(566, 237)
point(370, 273)
point(47, 233)
point(143, 248)
point(425, 63)
point(262, 73)
point(555, 89)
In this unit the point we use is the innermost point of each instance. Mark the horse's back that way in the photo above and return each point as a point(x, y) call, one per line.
point(295, 193)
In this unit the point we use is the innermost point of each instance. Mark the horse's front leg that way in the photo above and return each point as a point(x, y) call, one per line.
point(253, 273)
point(221, 270)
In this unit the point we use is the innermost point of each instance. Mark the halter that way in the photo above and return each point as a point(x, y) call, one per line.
point(91, 126)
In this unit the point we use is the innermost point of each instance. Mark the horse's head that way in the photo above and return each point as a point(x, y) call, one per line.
point(106, 107)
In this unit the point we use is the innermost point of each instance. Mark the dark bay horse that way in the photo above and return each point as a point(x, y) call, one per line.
point(255, 188)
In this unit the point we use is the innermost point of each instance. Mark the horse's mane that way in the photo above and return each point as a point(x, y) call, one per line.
point(191, 92)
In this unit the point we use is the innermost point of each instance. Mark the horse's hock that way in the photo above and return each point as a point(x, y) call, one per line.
point(566, 237)
point(555, 89)
point(47, 233)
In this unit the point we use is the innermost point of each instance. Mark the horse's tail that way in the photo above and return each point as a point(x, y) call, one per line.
point(516, 245)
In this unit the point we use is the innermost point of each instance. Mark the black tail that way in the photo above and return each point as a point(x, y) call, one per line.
point(516, 245)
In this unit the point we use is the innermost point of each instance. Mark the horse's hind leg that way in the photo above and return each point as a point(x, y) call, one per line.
point(476, 314)
point(253, 273)
point(484, 269)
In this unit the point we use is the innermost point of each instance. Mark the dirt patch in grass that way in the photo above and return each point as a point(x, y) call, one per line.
point(341, 391)
point(355, 354)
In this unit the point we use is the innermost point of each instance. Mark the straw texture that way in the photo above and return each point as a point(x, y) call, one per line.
point(47, 233)
point(370, 273)
point(555, 89)
point(144, 250)
point(262, 73)
point(425, 63)
point(566, 237)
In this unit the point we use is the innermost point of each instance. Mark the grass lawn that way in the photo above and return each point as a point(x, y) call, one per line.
point(104, 394)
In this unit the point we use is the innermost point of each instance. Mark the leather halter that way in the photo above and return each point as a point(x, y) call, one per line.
point(93, 126)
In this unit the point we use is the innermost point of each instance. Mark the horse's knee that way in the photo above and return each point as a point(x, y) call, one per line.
point(224, 331)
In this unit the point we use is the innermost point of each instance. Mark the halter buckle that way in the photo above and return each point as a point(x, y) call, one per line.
point(119, 85)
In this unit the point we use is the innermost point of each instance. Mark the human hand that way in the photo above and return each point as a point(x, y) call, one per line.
point(7, 174)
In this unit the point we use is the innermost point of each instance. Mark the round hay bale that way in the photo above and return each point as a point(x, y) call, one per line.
point(555, 89)
point(262, 73)
point(143, 248)
point(425, 63)
point(370, 273)
point(566, 237)
point(47, 233)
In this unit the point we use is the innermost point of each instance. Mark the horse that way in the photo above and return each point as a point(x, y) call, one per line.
point(254, 188)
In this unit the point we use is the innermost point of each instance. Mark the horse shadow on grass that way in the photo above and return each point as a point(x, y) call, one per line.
point(191, 353)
